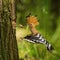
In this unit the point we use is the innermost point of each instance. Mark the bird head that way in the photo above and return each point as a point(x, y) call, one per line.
point(32, 20)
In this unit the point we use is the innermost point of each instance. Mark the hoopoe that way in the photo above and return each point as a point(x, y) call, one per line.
point(36, 37)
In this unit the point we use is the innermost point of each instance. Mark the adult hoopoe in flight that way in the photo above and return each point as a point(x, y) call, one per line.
point(35, 37)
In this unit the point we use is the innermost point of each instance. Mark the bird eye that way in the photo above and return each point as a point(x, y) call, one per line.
point(30, 24)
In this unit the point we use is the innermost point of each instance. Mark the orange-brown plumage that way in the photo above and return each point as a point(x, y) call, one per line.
point(32, 22)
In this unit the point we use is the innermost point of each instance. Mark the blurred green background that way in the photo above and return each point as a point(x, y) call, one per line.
point(48, 14)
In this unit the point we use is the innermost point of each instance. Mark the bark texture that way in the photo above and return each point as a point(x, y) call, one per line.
point(8, 43)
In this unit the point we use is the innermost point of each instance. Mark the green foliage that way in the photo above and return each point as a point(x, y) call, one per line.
point(47, 12)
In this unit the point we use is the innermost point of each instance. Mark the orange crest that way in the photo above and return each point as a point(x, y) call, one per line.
point(32, 20)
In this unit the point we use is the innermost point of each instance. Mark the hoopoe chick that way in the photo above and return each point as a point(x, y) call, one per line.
point(35, 37)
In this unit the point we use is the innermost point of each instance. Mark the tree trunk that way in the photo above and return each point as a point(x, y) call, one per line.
point(8, 43)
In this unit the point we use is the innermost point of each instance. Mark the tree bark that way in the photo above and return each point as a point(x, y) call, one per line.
point(8, 43)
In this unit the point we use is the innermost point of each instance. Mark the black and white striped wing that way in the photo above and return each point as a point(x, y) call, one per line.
point(30, 39)
point(35, 39)
point(38, 39)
